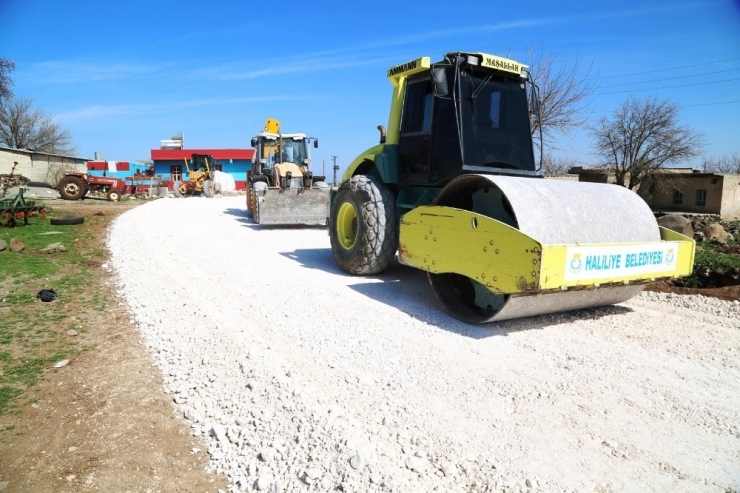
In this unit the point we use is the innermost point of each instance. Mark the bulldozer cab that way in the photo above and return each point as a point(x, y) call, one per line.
point(463, 116)
point(292, 150)
point(203, 162)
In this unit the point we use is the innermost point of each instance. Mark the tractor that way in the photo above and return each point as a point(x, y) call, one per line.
point(75, 186)
point(281, 188)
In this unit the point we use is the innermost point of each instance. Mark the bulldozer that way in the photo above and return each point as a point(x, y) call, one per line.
point(454, 187)
point(200, 178)
point(281, 188)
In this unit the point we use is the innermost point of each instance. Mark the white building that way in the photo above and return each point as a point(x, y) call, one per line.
point(39, 166)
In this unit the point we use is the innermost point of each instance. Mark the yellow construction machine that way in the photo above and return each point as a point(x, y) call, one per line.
point(200, 178)
point(455, 189)
point(281, 188)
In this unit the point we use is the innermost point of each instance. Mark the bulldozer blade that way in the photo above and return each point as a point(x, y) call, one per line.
point(292, 206)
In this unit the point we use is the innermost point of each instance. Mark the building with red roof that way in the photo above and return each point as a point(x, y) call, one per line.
point(170, 161)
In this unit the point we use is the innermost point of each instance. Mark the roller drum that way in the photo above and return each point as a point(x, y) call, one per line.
point(553, 213)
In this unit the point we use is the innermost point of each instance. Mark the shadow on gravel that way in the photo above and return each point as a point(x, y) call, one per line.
point(314, 258)
point(408, 290)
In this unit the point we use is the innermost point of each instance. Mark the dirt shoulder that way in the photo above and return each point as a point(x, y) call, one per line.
point(102, 422)
point(727, 293)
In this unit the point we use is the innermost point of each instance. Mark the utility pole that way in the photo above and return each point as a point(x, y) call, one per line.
point(323, 171)
point(336, 168)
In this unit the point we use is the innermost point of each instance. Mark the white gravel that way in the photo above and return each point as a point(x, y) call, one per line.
point(299, 377)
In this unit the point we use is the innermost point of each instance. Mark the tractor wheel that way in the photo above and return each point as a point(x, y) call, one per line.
point(176, 189)
point(72, 188)
point(249, 195)
point(113, 195)
point(209, 188)
point(258, 190)
point(363, 226)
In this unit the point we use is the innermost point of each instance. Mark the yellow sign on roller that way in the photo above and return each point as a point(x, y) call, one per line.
point(507, 261)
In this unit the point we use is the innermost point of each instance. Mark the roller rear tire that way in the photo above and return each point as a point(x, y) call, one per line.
point(363, 228)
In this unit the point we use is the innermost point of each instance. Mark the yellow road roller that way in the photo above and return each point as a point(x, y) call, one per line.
point(453, 187)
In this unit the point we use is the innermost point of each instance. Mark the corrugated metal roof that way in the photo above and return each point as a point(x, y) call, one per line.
point(28, 151)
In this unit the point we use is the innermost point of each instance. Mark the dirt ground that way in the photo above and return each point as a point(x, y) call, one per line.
point(102, 423)
point(727, 293)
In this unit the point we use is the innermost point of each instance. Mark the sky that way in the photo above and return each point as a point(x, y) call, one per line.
point(121, 76)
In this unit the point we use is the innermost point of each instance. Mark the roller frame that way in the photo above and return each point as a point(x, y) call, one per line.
point(441, 239)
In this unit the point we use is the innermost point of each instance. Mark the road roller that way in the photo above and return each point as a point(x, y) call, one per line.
point(454, 188)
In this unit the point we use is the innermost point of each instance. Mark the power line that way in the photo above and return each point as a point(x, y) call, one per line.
point(709, 104)
point(668, 87)
point(670, 78)
point(666, 69)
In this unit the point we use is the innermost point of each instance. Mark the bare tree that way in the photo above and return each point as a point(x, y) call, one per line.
point(563, 91)
point(723, 164)
point(557, 166)
point(643, 137)
point(6, 66)
point(24, 127)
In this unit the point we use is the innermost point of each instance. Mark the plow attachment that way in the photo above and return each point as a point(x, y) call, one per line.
point(499, 247)
point(291, 206)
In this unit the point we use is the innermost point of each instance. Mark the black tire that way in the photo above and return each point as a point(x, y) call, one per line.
point(113, 195)
point(176, 189)
point(209, 189)
point(38, 184)
point(72, 188)
point(66, 220)
point(363, 227)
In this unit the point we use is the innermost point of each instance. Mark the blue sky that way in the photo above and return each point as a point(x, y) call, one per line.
point(121, 76)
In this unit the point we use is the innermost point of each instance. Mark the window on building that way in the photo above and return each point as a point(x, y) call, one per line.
point(176, 172)
point(677, 197)
point(218, 167)
point(701, 197)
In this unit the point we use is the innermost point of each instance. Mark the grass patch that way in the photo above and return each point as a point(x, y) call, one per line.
point(706, 259)
point(7, 394)
point(33, 333)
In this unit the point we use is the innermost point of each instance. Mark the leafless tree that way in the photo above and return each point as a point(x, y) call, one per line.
point(563, 89)
point(557, 166)
point(643, 137)
point(723, 164)
point(25, 127)
point(6, 66)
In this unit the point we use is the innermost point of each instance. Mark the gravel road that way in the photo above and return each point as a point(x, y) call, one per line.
point(299, 377)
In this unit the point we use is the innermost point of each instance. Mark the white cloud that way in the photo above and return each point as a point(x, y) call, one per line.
point(96, 112)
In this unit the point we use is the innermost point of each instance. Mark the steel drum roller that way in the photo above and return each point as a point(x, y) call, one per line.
point(553, 212)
